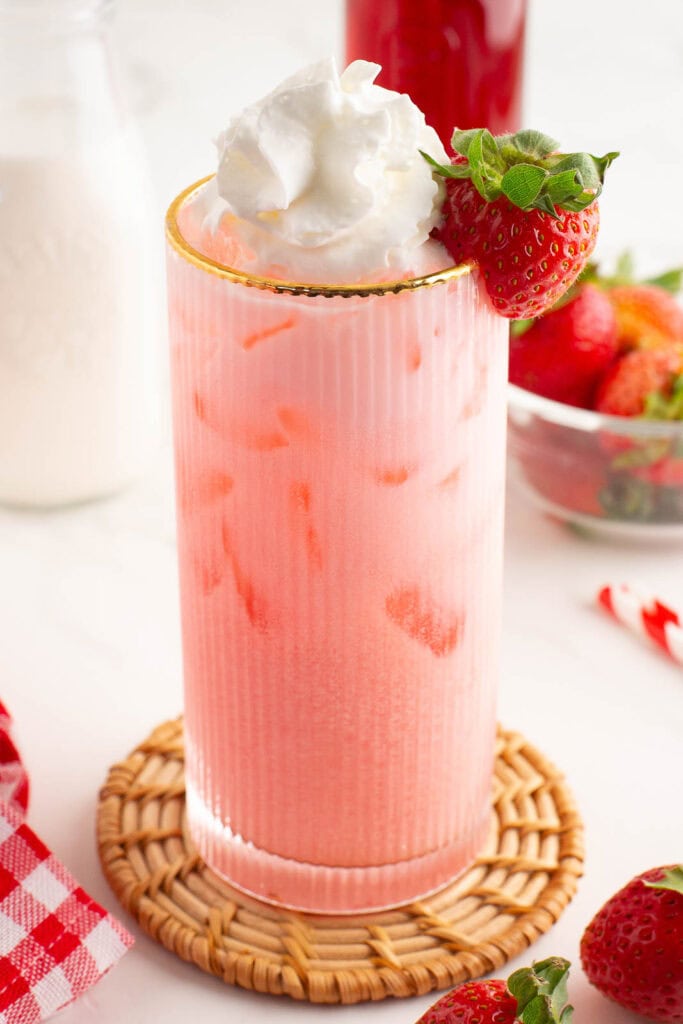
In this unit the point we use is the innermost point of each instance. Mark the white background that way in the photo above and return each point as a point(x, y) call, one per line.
point(90, 650)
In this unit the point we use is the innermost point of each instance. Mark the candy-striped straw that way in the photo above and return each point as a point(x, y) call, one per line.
point(646, 616)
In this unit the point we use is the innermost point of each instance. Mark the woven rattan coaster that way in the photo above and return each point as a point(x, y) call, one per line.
point(513, 892)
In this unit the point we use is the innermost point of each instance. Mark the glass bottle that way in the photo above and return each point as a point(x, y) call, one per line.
point(79, 270)
point(460, 61)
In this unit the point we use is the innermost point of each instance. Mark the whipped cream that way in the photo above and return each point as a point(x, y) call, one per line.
point(324, 179)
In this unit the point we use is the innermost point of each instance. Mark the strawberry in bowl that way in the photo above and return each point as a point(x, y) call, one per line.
point(596, 405)
point(564, 356)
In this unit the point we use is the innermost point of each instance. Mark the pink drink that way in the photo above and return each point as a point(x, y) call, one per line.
point(340, 471)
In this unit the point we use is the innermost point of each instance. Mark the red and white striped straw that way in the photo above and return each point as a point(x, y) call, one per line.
point(646, 616)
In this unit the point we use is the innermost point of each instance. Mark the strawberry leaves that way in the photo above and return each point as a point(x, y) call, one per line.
point(668, 405)
point(670, 280)
point(535, 145)
point(522, 184)
point(541, 992)
point(486, 165)
point(673, 880)
point(527, 169)
point(625, 274)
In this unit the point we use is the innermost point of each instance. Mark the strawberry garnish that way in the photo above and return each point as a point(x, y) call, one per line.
point(563, 354)
point(633, 948)
point(532, 995)
point(526, 213)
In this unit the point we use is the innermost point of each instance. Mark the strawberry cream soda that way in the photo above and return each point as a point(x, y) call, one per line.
point(339, 411)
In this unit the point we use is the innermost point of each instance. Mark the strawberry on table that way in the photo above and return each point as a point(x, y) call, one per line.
point(632, 950)
point(526, 213)
point(564, 353)
point(532, 995)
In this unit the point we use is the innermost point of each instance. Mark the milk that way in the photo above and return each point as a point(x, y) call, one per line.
point(78, 319)
point(79, 263)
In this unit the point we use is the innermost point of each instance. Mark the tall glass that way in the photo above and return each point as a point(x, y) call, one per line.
point(340, 472)
point(460, 61)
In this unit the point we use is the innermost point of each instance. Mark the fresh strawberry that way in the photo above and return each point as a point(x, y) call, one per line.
point(532, 995)
point(647, 311)
point(647, 316)
point(633, 948)
point(474, 1001)
point(644, 382)
point(564, 354)
point(524, 212)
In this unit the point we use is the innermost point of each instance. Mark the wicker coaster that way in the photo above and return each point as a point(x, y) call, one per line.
point(513, 892)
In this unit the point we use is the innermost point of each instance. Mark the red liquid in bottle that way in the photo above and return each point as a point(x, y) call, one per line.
point(460, 61)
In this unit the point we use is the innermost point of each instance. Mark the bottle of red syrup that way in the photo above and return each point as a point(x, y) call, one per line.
point(460, 61)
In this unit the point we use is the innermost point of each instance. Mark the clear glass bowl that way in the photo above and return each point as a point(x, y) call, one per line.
point(612, 474)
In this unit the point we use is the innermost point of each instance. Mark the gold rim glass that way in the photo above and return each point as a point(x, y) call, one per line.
point(178, 242)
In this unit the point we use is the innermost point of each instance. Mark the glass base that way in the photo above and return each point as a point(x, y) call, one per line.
point(319, 888)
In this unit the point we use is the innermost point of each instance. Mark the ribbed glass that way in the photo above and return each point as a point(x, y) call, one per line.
point(340, 473)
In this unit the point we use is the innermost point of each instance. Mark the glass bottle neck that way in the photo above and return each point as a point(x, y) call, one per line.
point(47, 17)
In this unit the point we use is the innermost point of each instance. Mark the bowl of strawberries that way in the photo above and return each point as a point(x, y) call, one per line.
point(595, 409)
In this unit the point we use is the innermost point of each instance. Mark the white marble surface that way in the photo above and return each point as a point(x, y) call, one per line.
point(90, 652)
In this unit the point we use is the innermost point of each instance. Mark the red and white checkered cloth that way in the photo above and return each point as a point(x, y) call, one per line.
point(55, 941)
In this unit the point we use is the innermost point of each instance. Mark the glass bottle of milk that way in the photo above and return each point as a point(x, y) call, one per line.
point(79, 273)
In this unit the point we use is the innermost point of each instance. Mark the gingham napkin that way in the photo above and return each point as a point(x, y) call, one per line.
point(55, 941)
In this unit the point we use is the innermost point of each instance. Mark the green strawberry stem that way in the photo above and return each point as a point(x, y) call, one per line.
point(648, 453)
point(669, 406)
point(628, 498)
point(625, 274)
point(673, 880)
point(527, 168)
point(541, 992)
point(519, 327)
point(670, 280)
